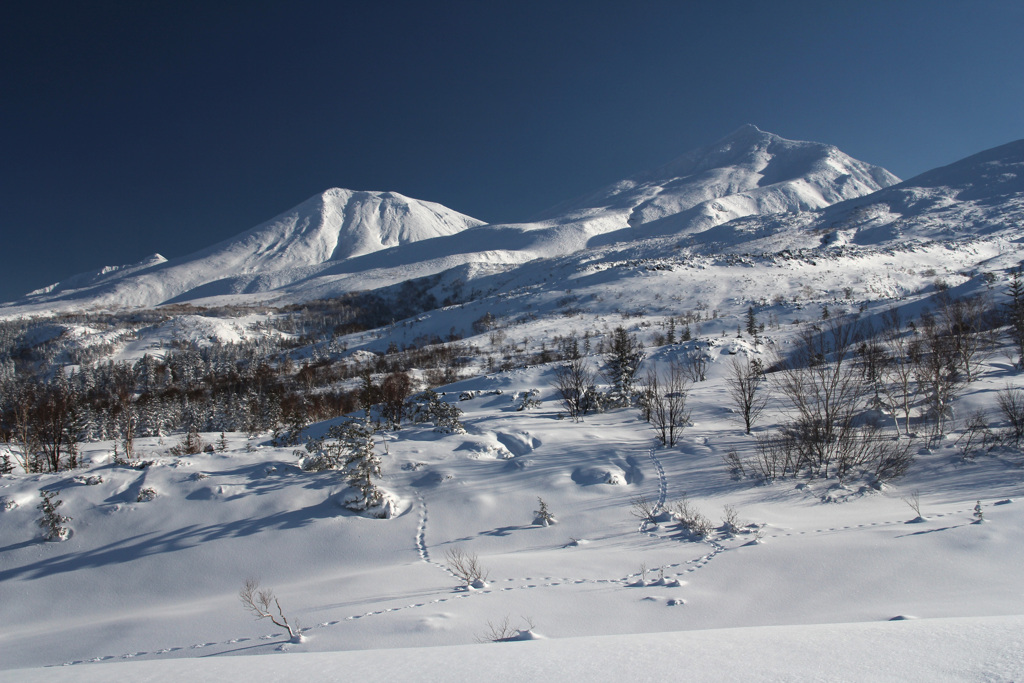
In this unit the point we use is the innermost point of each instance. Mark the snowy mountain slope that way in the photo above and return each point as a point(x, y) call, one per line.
point(333, 226)
point(976, 198)
point(343, 241)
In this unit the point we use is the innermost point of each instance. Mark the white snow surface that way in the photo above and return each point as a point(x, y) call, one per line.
point(812, 598)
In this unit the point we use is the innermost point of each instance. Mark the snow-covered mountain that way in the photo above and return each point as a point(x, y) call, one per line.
point(343, 241)
point(747, 172)
point(333, 226)
point(978, 197)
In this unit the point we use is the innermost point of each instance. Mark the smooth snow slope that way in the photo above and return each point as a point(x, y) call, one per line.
point(972, 649)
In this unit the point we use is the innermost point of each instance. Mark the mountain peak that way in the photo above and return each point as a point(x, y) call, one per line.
point(749, 171)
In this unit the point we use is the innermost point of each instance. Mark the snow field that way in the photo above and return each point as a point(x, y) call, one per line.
point(158, 580)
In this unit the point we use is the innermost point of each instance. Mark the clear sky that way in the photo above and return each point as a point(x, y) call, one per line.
point(128, 128)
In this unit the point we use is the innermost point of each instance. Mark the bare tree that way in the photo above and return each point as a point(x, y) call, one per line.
point(696, 365)
point(395, 388)
point(1011, 405)
point(574, 381)
point(21, 401)
point(745, 382)
point(824, 389)
point(259, 601)
point(937, 371)
point(668, 410)
point(55, 422)
point(898, 372)
point(968, 323)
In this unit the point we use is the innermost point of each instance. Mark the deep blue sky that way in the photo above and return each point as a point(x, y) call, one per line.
point(128, 128)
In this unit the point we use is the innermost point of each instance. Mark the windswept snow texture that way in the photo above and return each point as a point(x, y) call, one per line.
point(345, 241)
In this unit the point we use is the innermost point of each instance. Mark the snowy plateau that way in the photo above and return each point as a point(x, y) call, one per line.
point(756, 414)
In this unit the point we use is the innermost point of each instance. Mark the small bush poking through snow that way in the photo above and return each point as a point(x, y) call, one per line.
point(529, 399)
point(691, 519)
point(504, 632)
point(466, 567)
point(644, 510)
point(146, 495)
point(731, 520)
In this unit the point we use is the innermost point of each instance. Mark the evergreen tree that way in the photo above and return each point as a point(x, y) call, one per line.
point(752, 327)
point(622, 365)
point(52, 521)
point(1015, 313)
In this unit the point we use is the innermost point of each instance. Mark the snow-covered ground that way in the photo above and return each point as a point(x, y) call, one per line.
point(159, 579)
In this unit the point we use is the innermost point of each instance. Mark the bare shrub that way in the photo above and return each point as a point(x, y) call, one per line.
point(775, 455)
point(976, 435)
point(734, 463)
point(892, 459)
point(466, 567)
point(824, 388)
point(1011, 405)
point(690, 518)
point(503, 631)
point(258, 601)
point(644, 509)
point(731, 519)
point(913, 501)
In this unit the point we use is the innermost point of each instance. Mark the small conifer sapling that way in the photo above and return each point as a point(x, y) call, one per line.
point(52, 521)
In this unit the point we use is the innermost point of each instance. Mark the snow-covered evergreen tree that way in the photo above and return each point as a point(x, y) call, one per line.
point(52, 521)
point(349, 447)
point(622, 365)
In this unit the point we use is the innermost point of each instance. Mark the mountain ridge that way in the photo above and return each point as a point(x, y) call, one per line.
point(345, 240)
